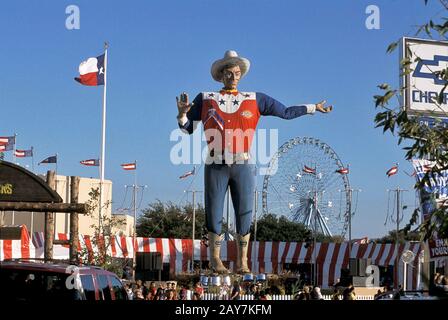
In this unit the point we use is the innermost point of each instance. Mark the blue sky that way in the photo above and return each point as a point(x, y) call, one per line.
point(301, 52)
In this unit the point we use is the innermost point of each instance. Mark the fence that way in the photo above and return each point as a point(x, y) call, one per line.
point(217, 296)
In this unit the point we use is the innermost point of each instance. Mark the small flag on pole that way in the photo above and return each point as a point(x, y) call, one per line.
point(364, 240)
point(91, 162)
point(7, 140)
point(188, 173)
point(129, 166)
point(52, 159)
point(6, 147)
point(7, 143)
point(91, 71)
point(392, 171)
point(23, 153)
point(309, 170)
point(343, 171)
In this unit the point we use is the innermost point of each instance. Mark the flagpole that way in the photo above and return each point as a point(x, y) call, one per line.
point(134, 238)
point(32, 159)
point(56, 164)
point(14, 162)
point(135, 200)
point(56, 174)
point(14, 149)
point(103, 135)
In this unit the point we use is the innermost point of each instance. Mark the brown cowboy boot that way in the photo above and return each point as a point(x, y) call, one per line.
point(215, 251)
point(242, 245)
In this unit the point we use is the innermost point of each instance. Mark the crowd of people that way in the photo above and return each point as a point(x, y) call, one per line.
point(170, 290)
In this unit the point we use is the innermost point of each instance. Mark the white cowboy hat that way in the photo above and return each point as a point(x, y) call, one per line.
point(230, 57)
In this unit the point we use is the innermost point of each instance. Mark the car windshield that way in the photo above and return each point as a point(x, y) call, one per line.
point(26, 285)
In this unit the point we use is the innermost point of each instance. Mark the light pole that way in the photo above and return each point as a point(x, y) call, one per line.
point(135, 188)
point(350, 213)
point(193, 227)
point(397, 259)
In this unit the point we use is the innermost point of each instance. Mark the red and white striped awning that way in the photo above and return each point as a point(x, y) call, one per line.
point(268, 257)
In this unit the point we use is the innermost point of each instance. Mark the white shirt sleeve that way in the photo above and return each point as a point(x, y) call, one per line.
point(182, 120)
point(310, 108)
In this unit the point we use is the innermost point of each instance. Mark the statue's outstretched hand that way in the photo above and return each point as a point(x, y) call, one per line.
point(320, 107)
point(182, 103)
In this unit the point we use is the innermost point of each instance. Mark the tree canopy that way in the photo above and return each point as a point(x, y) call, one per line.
point(167, 220)
point(419, 141)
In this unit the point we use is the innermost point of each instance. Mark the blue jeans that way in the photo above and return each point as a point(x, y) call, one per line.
point(241, 180)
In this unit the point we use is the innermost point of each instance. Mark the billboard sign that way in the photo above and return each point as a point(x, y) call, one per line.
point(436, 192)
point(423, 84)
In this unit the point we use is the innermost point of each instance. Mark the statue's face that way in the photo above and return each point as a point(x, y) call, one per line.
point(231, 77)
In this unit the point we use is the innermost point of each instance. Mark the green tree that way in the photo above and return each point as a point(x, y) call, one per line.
point(417, 140)
point(102, 237)
point(402, 237)
point(278, 228)
point(167, 220)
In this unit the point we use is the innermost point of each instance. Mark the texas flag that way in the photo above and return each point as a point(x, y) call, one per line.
point(92, 72)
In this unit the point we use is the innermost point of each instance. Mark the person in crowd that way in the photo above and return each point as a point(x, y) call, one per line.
point(316, 295)
point(236, 291)
point(304, 294)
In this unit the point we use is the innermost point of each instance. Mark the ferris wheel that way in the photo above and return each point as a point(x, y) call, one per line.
point(307, 182)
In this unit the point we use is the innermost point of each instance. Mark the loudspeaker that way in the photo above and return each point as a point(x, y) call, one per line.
point(10, 233)
point(149, 261)
point(362, 266)
point(154, 261)
point(353, 267)
point(359, 281)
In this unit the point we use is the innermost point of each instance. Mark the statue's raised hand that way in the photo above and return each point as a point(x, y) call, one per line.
point(182, 103)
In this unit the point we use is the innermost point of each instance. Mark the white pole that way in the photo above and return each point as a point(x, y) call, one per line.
point(14, 162)
point(134, 260)
point(103, 135)
point(404, 276)
point(255, 250)
point(194, 228)
point(32, 158)
point(14, 149)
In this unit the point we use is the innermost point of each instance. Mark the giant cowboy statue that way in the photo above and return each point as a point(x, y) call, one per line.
point(230, 118)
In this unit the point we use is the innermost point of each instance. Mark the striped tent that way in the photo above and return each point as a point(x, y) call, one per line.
point(265, 257)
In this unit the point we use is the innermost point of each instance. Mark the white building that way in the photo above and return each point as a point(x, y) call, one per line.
point(34, 221)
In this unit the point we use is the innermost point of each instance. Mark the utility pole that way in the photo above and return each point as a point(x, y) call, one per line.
point(135, 188)
point(350, 194)
point(193, 227)
point(397, 258)
point(350, 213)
point(315, 241)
